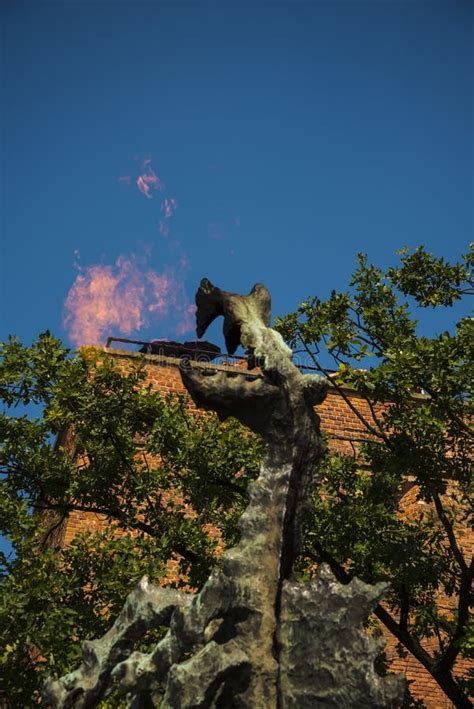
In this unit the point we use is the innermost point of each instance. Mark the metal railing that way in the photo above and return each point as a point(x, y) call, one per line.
point(200, 355)
point(207, 356)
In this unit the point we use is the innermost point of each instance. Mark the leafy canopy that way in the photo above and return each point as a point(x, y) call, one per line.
point(171, 484)
point(395, 501)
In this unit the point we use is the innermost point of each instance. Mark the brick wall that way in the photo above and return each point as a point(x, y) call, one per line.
point(340, 422)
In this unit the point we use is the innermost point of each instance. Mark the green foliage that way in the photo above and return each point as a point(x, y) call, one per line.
point(432, 281)
point(102, 441)
point(415, 415)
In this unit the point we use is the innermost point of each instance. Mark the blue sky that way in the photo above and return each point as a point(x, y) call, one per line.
point(291, 136)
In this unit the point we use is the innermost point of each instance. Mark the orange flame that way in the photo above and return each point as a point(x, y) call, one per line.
point(148, 181)
point(123, 297)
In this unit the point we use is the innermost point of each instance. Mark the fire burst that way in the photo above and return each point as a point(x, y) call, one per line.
point(148, 181)
point(123, 297)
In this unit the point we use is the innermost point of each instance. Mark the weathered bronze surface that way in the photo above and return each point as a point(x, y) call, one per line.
point(253, 637)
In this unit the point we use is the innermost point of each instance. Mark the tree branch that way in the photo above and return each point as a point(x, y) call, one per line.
point(188, 554)
point(454, 648)
point(52, 529)
point(450, 533)
point(354, 409)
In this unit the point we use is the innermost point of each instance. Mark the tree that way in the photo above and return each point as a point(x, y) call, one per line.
point(171, 483)
point(418, 434)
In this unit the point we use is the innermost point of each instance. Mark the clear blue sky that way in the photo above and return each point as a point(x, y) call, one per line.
point(290, 134)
